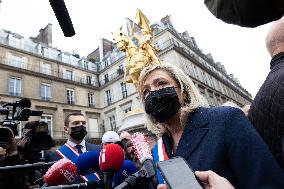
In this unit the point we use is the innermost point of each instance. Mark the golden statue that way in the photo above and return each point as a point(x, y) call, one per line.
point(145, 39)
point(138, 57)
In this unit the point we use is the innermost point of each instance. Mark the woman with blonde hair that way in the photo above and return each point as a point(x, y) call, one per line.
point(207, 138)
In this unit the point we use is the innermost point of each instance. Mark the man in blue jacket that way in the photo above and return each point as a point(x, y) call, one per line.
point(75, 128)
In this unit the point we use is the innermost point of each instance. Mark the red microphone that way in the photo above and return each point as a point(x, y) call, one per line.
point(111, 160)
point(63, 171)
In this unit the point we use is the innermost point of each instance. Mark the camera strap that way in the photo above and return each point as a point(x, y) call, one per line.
point(69, 152)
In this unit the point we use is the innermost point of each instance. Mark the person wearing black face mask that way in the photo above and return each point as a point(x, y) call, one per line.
point(220, 139)
point(75, 128)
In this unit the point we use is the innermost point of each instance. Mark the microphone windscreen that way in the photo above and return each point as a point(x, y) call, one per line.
point(25, 103)
point(128, 168)
point(62, 15)
point(111, 158)
point(63, 171)
point(141, 147)
point(88, 160)
point(31, 124)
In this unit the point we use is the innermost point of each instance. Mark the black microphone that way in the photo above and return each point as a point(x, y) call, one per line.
point(62, 15)
point(24, 103)
point(86, 185)
point(38, 165)
point(139, 177)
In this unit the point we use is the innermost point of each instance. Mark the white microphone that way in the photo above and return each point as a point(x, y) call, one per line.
point(143, 153)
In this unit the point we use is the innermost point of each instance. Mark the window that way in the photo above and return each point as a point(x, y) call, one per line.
point(45, 91)
point(48, 119)
point(106, 62)
point(108, 97)
point(91, 100)
point(15, 85)
point(89, 79)
point(68, 75)
point(45, 68)
point(70, 96)
point(127, 110)
point(204, 77)
point(106, 78)
point(123, 89)
point(120, 69)
point(112, 122)
point(83, 64)
point(16, 61)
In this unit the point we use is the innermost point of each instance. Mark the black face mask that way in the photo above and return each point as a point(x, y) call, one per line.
point(79, 132)
point(162, 104)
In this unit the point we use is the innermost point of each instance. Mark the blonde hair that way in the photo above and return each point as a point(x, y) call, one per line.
point(193, 100)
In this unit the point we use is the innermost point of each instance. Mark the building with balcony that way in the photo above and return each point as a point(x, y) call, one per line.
point(60, 82)
point(56, 82)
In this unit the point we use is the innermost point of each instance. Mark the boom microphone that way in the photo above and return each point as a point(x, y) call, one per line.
point(86, 161)
point(62, 15)
point(38, 165)
point(111, 160)
point(63, 171)
point(127, 169)
point(86, 185)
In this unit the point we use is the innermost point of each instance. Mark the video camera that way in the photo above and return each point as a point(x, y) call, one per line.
point(35, 136)
point(35, 139)
point(16, 112)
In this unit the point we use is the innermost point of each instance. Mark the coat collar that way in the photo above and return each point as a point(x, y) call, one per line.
point(193, 133)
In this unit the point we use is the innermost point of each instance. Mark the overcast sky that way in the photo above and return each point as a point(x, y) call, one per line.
point(241, 50)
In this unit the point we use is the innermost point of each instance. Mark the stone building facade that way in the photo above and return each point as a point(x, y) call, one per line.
point(59, 82)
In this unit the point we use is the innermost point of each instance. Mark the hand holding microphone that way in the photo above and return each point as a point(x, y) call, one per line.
point(210, 180)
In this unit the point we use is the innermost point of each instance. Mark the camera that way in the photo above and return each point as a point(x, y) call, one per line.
point(35, 138)
point(16, 112)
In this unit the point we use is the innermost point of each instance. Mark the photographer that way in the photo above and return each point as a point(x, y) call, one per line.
point(9, 156)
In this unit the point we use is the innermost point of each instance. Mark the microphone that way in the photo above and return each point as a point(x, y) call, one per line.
point(148, 171)
point(63, 171)
point(86, 161)
point(38, 165)
point(24, 103)
point(111, 160)
point(62, 15)
point(143, 153)
point(127, 169)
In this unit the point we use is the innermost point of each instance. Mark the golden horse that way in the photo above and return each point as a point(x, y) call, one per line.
point(136, 57)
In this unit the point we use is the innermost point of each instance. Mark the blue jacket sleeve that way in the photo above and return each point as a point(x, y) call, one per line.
point(251, 161)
